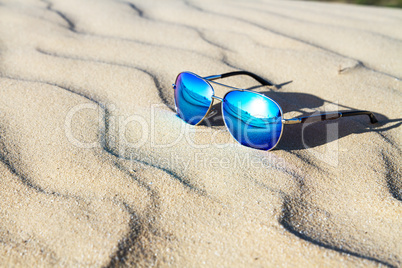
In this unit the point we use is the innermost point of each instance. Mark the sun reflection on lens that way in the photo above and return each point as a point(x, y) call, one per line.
point(253, 119)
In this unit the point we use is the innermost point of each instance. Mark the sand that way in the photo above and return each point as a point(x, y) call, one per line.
point(97, 170)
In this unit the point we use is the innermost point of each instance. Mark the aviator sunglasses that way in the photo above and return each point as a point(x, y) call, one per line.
point(253, 119)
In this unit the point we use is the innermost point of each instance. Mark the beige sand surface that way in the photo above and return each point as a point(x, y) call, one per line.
point(97, 170)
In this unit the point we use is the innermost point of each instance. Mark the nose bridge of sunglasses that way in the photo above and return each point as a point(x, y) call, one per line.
point(217, 98)
point(224, 85)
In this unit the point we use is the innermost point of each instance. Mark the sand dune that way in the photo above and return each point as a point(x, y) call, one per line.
point(97, 170)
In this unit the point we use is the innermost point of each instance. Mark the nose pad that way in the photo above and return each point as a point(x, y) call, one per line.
point(211, 114)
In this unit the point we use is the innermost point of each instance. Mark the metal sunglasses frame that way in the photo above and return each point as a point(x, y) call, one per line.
point(296, 120)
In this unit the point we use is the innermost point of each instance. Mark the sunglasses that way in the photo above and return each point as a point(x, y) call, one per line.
point(253, 119)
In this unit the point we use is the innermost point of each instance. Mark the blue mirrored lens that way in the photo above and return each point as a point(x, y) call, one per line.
point(253, 119)
point(193, 97)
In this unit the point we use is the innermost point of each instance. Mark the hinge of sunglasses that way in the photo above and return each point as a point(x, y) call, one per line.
point(291, 121)
point(313, 118)
point(213, 77)
point(174, 86)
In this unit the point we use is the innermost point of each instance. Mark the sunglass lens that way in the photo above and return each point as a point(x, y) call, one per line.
point(253, 119)
point(193, 97)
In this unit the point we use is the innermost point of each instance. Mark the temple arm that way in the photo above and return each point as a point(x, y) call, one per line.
point(329, 116)
point(256, 77)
